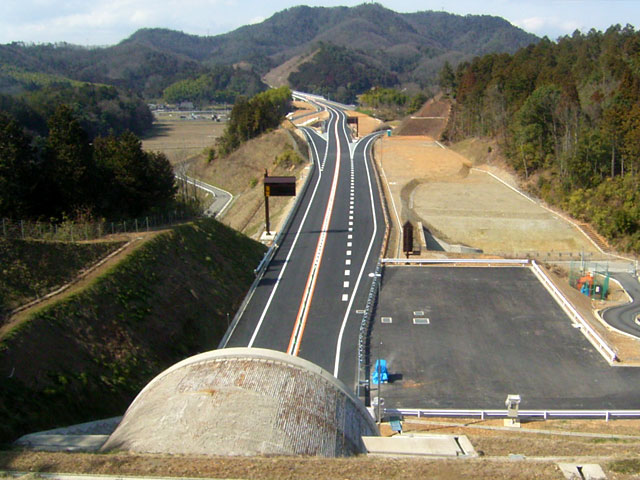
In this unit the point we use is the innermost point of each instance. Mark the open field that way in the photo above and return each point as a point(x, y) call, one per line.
point(180, 139)
point(463, 206)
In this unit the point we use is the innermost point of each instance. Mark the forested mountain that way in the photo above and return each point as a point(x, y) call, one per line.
point(31, 98)
point(412, 46)
point(340, 74)
point(222, 84)
point(567, 116)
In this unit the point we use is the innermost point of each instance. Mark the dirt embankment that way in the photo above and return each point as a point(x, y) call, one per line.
point(241, 173)
point(87, 356)
point(430, 120)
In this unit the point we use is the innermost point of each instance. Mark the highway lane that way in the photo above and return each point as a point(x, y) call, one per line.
point(305, 303)
point(624, 317)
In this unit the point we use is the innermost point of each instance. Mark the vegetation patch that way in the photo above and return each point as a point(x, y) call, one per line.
point(31, 269)
point(627, 466)
point(87, 356)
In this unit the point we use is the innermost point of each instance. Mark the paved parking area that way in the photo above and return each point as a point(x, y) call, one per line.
point(488, 332)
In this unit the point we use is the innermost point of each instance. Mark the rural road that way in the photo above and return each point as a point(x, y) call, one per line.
point(623, 317)
point(221, 198)
point(305, 303)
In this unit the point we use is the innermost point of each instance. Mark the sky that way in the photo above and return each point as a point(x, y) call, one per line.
point(107, 22)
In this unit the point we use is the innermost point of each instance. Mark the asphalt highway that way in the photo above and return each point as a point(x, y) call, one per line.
point(624, 317)
point(305, 303)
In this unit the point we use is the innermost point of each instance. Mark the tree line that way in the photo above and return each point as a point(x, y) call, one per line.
point(567, 116)
point(67, 173)
point(222, 84)
point(340, 74)
point(391, 100)
point(254, 116)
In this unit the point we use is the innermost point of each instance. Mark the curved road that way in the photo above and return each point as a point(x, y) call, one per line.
point(623, 317)
point(305, 304)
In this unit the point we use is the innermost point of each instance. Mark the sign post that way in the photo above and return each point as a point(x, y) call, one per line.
point(407, 238)
point(276, 187)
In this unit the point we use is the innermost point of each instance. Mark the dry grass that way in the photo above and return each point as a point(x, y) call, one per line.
point(241, 173)
point(181, 139)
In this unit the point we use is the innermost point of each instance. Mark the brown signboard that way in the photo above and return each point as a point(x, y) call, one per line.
point(279, 186)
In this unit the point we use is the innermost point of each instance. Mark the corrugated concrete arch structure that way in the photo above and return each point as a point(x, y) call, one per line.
point(244, 401)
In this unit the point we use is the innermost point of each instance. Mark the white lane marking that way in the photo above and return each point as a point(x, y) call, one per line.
point(305, 304)
point(336, 367)
point(347, 273)
point(345, 297)
point(345, 284)
point(347, 261)
point(349, 244)
point(350, 224)
point(349, 236)
point(348, 253)
point(351, 229)
point(350, 217)
point(293, 245)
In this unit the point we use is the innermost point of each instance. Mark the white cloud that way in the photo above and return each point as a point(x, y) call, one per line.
point(255, 20)
point(543, 25)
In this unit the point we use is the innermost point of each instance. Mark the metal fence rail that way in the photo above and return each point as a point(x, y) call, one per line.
point(482, 261)
point(483, 414)
point(594, 337)
point(70, 231)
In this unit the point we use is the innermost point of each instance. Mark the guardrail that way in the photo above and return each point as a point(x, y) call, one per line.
point(268, 256)
point(483, 261)
point(596, 340)
point(374, 292)
point(544, 414)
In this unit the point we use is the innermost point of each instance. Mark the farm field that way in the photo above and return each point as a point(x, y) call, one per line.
point(181, 139)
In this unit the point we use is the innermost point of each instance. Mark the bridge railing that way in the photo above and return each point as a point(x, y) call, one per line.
point(541, 414)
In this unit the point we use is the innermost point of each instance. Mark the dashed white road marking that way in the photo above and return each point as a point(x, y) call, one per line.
point(347, 273)
point(345, 297)
point(345, 284)
point(347, 261)
point(348, 253)
point(349, 244)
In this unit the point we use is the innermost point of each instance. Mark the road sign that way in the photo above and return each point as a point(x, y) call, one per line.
point(279, 186)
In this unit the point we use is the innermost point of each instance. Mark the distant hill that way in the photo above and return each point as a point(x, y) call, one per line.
point(411, 46)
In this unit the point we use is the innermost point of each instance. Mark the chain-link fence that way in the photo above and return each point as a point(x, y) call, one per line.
point(73, 231)
point(590, 278)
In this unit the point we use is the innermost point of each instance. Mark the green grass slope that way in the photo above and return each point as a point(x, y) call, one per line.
point(31, 269)
point(87, 356)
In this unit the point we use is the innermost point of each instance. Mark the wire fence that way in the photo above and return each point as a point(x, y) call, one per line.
point(74, 231)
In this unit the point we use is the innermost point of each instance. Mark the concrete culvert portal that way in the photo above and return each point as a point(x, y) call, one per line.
point(244, 401)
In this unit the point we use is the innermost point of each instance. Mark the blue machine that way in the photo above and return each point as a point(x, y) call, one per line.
point(380, 370)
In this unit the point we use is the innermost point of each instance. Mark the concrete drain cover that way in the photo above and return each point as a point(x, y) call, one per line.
point(420, 444)
point(582, 471)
